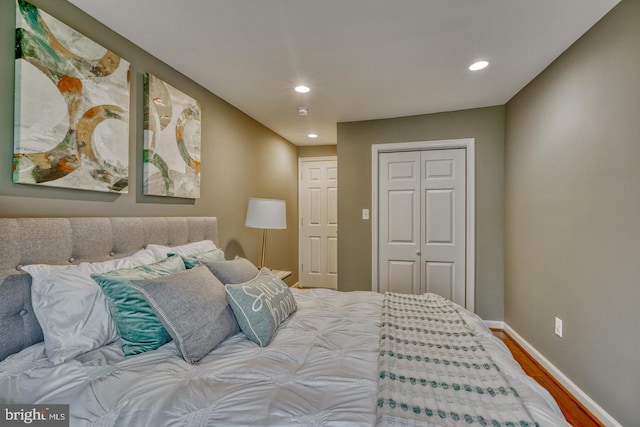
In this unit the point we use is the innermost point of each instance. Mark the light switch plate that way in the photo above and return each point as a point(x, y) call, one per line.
point(558, 329)
point(365, 213)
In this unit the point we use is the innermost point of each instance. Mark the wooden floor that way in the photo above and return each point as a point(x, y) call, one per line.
point(576, 414)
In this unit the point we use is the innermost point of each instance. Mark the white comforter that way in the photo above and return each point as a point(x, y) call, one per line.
point(320, 370)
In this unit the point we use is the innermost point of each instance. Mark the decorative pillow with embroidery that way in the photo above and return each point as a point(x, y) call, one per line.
point(260, 305)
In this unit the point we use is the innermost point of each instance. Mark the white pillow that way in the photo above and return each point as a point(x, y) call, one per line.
point(194, 248)
point(71, 308)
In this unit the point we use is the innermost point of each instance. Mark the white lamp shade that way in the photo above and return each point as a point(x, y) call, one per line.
point(267, 213)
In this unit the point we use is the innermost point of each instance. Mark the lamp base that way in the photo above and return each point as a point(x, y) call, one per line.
point(264, 248)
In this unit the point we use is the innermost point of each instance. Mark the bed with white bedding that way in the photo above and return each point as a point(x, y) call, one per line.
point(326, 364)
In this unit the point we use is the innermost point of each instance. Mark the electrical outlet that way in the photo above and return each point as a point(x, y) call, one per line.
point(558, 327)
point(365, 213)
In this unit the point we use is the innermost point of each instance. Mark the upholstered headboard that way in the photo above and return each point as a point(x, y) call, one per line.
point(72, 241)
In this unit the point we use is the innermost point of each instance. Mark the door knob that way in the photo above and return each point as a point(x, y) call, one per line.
point(418, 253)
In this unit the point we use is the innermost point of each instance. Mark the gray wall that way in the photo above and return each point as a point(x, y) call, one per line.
point(240, 157)
point(486, 125)
point(317, 151)
point(572, 203)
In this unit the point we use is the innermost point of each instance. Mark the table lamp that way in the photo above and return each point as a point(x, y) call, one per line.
point(268, 214)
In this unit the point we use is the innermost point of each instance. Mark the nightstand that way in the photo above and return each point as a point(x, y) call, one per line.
point(282, 274)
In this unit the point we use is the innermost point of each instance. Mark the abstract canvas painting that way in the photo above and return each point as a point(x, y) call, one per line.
point(71, 107)
point(171, 141)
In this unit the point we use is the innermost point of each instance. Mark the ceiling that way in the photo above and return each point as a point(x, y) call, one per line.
point(362, 59)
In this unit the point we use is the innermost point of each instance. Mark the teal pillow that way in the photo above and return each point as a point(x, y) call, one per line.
point(191, 261)
point(260, 305)
point(139, 328)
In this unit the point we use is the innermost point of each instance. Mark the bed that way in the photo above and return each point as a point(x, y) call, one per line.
point(333, 359)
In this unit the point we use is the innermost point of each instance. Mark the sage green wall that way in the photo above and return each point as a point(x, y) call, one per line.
point(318, 151)
point(486, 125)
point(240, 157)
point(572, 236)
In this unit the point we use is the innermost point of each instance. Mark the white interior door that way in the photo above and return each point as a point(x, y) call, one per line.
point(443, 223)
point(422, 214)
point(399, 222)
point(318, 195)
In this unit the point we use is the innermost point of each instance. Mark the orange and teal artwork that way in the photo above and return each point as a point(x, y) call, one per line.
point(71, 107)
point(172, 141)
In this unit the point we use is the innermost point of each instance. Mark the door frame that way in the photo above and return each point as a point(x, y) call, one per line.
point(302, 160)
point(467, 144)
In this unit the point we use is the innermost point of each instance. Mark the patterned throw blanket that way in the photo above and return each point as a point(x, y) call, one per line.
point(433, 372)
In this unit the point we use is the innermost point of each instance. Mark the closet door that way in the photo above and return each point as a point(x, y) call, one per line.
point(399, 219)
point(422, 229)
point(443, 215)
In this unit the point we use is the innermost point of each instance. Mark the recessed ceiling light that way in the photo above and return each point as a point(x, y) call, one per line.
point(302, 89)
point(313, 135)
point(478, 65)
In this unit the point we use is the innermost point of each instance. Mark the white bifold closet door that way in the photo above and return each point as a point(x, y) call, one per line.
point(422, 216)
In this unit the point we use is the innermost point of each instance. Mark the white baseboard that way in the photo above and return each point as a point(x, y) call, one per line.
point(494, 324)
point(296, 285)
point(589, 403)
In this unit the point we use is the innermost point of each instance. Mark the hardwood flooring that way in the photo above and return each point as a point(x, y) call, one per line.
point(576, 414)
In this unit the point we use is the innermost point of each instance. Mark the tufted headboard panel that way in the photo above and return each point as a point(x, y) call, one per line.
point(72, 241)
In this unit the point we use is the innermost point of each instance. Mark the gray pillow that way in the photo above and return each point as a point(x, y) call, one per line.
point(193, 307)
point(260, 305)
point(238, 270)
